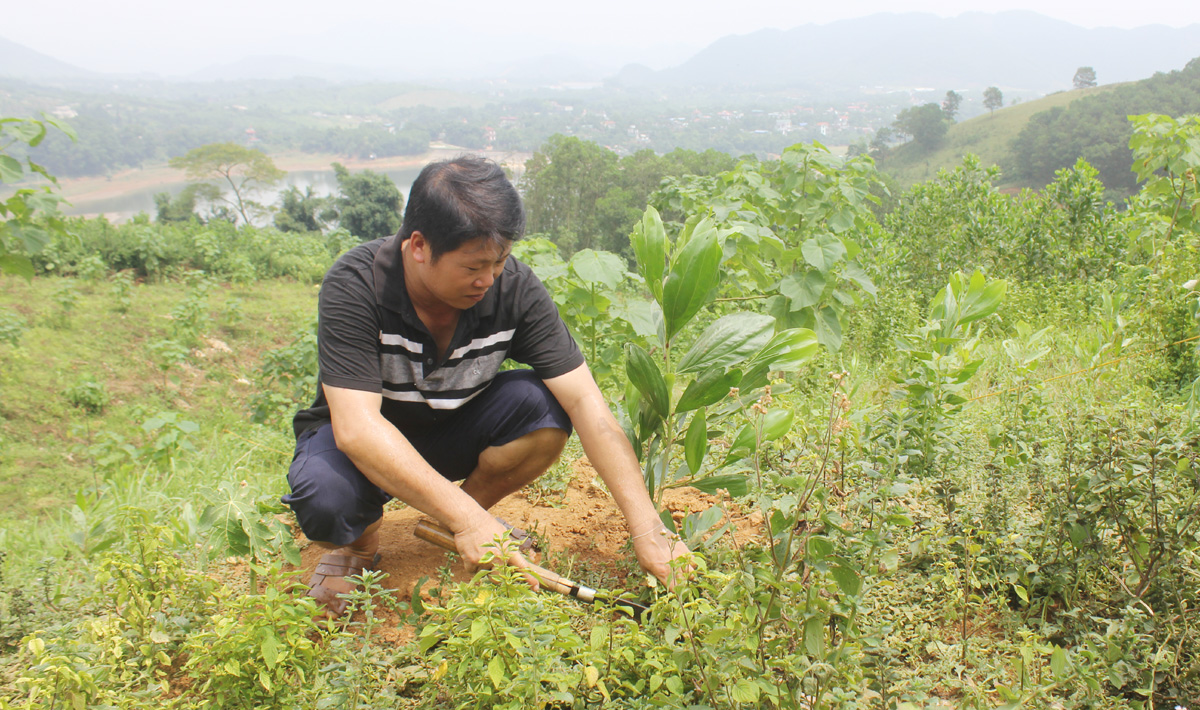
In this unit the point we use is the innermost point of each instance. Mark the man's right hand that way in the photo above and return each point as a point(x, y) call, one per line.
point(480, 537)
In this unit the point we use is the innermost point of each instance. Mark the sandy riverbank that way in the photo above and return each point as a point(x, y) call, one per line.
point(82, 191)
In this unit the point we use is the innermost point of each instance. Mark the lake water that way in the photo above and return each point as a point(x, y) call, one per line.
point(323, 182)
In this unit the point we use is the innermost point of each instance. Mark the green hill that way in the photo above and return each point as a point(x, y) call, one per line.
point(989, 136)
point(1034, 140)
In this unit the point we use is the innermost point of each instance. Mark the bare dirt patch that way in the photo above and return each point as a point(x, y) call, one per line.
point(587, 530)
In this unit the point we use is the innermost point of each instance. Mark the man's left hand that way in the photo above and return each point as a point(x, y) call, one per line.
point(656, 550)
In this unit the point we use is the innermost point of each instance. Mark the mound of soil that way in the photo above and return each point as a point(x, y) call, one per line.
point(584, 530)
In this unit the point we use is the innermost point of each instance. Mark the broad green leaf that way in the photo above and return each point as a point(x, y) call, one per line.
point(842, 220)
point(803, 290)
point(737, 484)
point(710, 387)
point(858, 275)
point(786, 349)
point(695, 444)
point(27, 131)
point(1058, 661)
point(598, 267)
point(63, 126)
point(479, 628)
point(745, 691)
point(853, 249)
point(776, 423)
point(693, 275)
point(728, 341)
point(829, 329)
point(17, 265)
point(649, 241)
point(270, 650)
point(496, 671)
point(823, 251)
point(643, 372)
point(847, 579)
point(819, 547)
point(645, 317)
point(981, 300)
point(814, 637)
point(10, 169)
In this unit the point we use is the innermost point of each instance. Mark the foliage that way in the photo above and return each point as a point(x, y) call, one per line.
point(1166, 156)
point(993, 99)
point(926, 125)
point(244, 170)
point(735, 352)
point(955, 446)
point(287, 379)
point(30, 215)
point(88, 395)
point(938, 361)
point(584, 290)
point(218, 248)
point(180, 207)
point(951, 104)
point(368, 204)
point(961, 221)
point(12, 327)
point(1096, 128)
point(794, 228)
point(582, 196)
point(1085, 78)
point(302, 211)
point(260, 651)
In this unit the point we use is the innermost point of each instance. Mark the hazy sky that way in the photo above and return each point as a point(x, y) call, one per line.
point(175, 38)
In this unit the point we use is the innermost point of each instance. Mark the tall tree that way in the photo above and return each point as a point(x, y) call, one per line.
point(992, 99)
point(564, 183)
point(177, 208)
point(950, 104)
point(1085, 78)
point(926, 124)
point(368, 204)
point(302, 211)
point(245, 170)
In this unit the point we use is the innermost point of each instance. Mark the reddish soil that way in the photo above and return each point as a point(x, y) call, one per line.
point(584, 536)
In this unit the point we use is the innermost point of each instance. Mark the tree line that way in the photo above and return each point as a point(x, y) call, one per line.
point(1095, 128)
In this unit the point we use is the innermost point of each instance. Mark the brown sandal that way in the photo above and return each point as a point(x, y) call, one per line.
point(334, 566)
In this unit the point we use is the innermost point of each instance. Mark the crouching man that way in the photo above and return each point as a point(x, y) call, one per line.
point(412, 332)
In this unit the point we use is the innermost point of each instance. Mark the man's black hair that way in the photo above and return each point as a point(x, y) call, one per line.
point(455, 201)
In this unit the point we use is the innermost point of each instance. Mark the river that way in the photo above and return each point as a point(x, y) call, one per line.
point(123, 206)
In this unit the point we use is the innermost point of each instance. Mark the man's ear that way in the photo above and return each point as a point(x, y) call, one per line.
point(418, 246)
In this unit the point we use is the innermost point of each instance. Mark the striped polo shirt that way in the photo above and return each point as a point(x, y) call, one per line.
point(370, 338)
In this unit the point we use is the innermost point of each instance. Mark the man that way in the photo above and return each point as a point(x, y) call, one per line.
point(412, 331)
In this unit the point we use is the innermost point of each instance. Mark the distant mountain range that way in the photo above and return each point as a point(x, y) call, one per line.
point(1016, 51)
point(20, 62)
point(1011, 50)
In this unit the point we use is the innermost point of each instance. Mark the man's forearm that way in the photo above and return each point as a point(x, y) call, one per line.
point(389, 461)
point(612, 456)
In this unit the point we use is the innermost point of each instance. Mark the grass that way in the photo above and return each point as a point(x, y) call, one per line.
point(45, 440)
point(988, 136)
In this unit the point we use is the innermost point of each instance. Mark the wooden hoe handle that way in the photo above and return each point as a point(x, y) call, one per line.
point(433, 532)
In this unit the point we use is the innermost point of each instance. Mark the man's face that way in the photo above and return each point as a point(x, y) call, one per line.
point(460, 278)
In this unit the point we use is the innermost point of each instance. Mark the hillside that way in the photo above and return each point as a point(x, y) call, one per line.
point(988, 136)
point(19, 61)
